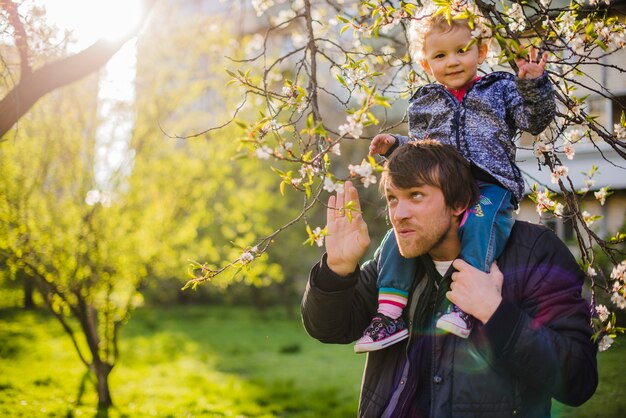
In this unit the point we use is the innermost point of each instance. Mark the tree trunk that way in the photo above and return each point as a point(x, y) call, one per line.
point(102, 371)
point(29, 289)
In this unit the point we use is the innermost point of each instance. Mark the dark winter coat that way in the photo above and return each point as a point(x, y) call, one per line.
point(537, 345)
point(484, 126)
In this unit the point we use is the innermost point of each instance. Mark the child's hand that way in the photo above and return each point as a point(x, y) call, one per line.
point(381, 144)
point(531, 68)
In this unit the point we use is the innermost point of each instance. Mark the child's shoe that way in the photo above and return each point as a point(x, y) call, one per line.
point(456, 322)
point(382, 332)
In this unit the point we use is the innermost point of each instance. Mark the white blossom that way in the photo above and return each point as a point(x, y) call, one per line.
point(331, 186)
point(603, 312)
point(319, 238)
point(246, 257)
point(335, 149)
point(558, 172)
point(620, 131)
point(601, 195)
point(619, 272)
point(558, 209)
point(366, 171)
point(618, 300)
point(517, 20)
point(591, 272)
point(353, 126)
point(264, 152)
point(605, 343)
point(587, 218)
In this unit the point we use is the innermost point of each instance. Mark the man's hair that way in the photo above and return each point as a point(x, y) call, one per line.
point(435, 164)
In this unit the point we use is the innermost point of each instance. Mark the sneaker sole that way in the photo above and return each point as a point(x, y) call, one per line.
point(378, 345)
point(453, 328)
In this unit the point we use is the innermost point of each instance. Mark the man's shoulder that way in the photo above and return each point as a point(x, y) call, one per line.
point(528, 233)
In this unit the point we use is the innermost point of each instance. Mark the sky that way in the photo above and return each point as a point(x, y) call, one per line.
point(90, 20)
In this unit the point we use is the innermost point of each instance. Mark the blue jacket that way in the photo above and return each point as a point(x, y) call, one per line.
point(485, 124)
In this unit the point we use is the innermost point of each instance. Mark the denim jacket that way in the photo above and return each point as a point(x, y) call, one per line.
point(486, 123)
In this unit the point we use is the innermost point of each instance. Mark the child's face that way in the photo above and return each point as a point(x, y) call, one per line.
point(447, 58)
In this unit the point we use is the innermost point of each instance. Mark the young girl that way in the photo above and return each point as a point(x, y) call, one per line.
point(481, 117)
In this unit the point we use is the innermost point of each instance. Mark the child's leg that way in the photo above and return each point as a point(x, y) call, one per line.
point(487, 227)
point(395, 276)
point(483, 235)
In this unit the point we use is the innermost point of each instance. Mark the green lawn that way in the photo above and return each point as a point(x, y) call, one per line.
point(208, 362)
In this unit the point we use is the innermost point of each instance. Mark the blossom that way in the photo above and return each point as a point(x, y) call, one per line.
point(246, 257)
point(335, 149)
point(366, 171)
point(618, 300)
point(569, 151)
point(605, 343)
point(558, 209)
point(601, 195)
point(603, 312)
point(264, 152)
point(318, 236)
point(591, 272)
point(620, 131)
point(330, 186)
point(354, 127)
point(517, 20)
point(588, 218)
point(619, 272)
point(558, 172)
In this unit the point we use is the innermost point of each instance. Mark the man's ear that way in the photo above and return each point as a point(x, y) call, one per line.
point(425, 66)
point(459, 211)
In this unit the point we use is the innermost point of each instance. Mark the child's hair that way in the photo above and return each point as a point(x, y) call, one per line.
point(422, 24)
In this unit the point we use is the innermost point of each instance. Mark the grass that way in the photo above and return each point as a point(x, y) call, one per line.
point(209, 362)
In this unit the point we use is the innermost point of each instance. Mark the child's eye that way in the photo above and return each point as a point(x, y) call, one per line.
point(391, 199)
point(438, 56)
point(463, 50)
point(416, 195)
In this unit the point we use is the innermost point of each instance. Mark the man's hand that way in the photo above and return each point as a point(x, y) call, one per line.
point(475, 292)
point(381, 144)
point(531, 68)
point(347, 236)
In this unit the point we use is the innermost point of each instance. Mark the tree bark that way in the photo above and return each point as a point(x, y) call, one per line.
point(102, 371)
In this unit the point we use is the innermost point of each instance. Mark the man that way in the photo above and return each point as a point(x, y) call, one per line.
point(532, 341)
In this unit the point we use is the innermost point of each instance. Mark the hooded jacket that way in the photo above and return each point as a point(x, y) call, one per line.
point(537, 345)
point(485, 124)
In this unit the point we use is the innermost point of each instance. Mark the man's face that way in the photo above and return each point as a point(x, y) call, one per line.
point(448, 58)
point(422, 222)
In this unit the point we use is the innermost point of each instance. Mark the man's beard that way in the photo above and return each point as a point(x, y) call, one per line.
point(424, 238)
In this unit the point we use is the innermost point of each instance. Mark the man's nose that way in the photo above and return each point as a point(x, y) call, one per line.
point(401, 211)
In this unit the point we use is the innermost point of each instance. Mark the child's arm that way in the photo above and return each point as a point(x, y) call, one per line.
point(531, 68)
point(381, 144)
point(532, 104)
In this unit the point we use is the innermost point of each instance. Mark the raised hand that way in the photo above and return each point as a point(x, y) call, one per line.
point(347, 236)
point(476, 292)
point(531, 68)
point(381, 144)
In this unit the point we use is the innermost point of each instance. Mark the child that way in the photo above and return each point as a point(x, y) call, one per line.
point(481, 117)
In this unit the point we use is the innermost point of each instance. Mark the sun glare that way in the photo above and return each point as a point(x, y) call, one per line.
point(90, 20)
